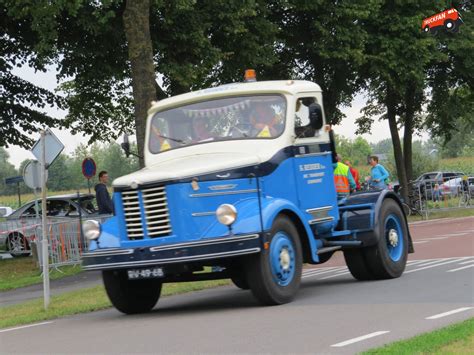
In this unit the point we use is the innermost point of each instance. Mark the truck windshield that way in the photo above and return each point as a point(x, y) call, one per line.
point(241, 117)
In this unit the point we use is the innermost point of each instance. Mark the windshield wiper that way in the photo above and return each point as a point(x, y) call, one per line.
point(171, 139)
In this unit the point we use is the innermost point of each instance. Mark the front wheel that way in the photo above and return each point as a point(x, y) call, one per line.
point(18, 246)
point(274, 275)
point(131, 296)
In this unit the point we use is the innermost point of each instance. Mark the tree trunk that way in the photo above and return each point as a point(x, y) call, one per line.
point(136, 19)
point(397, 147)
point(408, 131)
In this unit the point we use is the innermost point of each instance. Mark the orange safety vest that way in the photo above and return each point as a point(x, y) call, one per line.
point(340, 178)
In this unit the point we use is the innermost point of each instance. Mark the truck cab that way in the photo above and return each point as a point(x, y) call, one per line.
point(238, 183)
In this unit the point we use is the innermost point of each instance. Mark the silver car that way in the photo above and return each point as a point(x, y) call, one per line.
point(18, 230)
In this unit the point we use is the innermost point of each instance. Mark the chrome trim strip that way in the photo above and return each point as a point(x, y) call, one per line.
point(319, 209)
point(107, 252)
point(321, 220)
point(202, 214)
point(223, 193)
point(206, 242)
point(172, 260)
point(312, 154)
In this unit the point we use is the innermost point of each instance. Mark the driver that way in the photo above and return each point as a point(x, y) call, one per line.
point(201, 129)
point(264, 121)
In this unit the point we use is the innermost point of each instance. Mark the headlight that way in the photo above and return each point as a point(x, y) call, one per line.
point(91, 229)
point(226, 214)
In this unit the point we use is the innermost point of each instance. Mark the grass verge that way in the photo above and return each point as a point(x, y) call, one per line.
point(454, 339)
point(83, 301)
point(462, 212)
point(21, 272)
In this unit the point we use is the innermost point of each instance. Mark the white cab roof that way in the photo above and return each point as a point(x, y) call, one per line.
point(291, 87)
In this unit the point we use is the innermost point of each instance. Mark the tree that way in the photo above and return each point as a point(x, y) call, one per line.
point(6, 170)
point(399, 55)
point(98, 46)
point(323, 41)
point(22, 104)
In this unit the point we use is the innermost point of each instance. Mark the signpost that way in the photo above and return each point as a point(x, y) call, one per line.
point(15, 180)
point(32, 179)
point(46, 150)
point(88, 170)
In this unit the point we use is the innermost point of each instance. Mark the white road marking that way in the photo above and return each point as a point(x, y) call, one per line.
point(433, 262)
point(319, 273)
point(445, 314)
point(460, 268)
point(454, 234)
point(414, 262)
point(24, 326)
point(467, 262)
point(434, 238)
point(428, 267)
point(421, 242)
point(363, 337)
point(331, 276)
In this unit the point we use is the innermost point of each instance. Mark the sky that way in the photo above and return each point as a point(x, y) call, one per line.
point(48, 81)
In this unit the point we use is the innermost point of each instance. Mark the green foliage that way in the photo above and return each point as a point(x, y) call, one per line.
point(465, 165)
point(6, 170)
point(355, 150)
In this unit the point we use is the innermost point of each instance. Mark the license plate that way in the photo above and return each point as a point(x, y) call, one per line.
point(151, 273)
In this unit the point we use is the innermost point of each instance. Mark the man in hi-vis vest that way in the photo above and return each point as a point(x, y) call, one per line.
point(343, 179)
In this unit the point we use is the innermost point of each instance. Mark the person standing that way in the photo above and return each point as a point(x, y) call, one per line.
point(355, 174)
point(343, 179)
point(378, 174)
point(104, 203)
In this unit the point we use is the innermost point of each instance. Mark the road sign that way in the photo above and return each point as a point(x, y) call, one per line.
point(14, 180)
point(32, 174)
point(54, 147)
point(88, 168)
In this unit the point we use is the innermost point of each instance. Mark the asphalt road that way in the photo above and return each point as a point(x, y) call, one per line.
point(332, 313)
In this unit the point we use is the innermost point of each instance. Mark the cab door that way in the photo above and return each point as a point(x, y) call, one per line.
point(313, 165)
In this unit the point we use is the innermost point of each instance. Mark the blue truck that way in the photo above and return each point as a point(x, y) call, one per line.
point(238, 183)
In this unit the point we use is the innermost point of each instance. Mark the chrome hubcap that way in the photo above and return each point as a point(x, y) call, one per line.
point(393, 237)
point(285, 259)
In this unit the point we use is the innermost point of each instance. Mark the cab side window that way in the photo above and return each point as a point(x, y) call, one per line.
point(303, 127)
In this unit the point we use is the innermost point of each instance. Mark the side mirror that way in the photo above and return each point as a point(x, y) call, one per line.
point(126, 145)
point(315, 115)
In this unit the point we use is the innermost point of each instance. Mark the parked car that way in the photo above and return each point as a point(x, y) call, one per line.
point(426, 182)
point(18, 230)
point(456, 186)
point(5, 211)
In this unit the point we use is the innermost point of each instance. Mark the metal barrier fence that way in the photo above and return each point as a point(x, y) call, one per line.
point(65, 242)
point(440, 195)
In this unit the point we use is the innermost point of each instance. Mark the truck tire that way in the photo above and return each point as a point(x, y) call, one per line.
point(387, 259)
point(357, 265)
point(131, 296)
point(240, 282)
point(274, 275)
point(18, 246)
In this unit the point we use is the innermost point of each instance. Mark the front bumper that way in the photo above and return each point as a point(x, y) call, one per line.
point(116, 258)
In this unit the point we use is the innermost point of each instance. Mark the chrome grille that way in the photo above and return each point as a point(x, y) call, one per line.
point(156, 219)
point(133, 219)
point(156, 212)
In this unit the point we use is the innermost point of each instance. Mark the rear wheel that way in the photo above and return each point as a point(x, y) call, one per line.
point(388, 258)
point(274, 275)
point(449, 25)
point(131, 297)
point(18, 246)
point(357, 264)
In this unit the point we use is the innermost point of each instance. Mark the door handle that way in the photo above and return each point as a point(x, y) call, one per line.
point(223, 176)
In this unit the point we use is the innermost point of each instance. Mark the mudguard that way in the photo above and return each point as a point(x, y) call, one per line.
point(360, 213)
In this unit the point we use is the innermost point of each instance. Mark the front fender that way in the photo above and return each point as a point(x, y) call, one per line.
point(248, 220)
point(109, 235)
